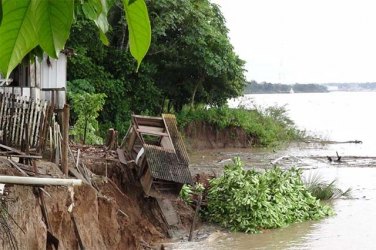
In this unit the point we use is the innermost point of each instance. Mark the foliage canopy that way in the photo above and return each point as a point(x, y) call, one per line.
point(190, 43)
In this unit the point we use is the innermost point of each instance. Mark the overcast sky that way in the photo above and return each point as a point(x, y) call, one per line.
point(304, 41)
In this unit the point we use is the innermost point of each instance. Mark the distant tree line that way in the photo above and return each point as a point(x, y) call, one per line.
point(253, 87)
point(367, 86)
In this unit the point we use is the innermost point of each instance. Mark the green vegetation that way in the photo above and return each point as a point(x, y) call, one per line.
point(268, 127)
point(267, 88)
point(31, 27)
point(87, 106)
point(324, 190)
point(250, 201)
point(190, 62)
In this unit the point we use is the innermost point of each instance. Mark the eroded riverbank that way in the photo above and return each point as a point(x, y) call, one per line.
point(352, 227)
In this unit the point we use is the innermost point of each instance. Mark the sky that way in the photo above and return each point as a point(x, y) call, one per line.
point(304, 41)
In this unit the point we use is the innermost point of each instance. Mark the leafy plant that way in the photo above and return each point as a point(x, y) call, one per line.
point(250, 201)
point(45, 25)
point(324, 190)
point(187, 191)
point(87, 106)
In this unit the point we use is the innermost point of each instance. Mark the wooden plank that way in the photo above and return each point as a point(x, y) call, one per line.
point(30, 121)
point(26, 156)
point(40, 123)
point(15, 120)
point(121, 156)
point(33, 122)
point(2, 103)
point(146, 181)
point(168, 211)
point(18, 120)
point(149, 132)
point(23, 118)
point(36, 122)
point(65, 134)
point(5, 118)
point(11, 149)
point(18, 168)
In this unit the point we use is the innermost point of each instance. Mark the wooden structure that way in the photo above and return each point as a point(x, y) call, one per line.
point(23, 121)
point(158, 150)
point(41, 80)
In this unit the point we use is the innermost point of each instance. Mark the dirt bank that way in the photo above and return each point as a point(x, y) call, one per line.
point(114, 214)
point(202, 135)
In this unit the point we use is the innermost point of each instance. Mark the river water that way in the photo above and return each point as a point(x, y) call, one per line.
point(335, 116)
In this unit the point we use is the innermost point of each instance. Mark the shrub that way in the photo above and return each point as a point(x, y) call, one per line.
point(250, 201)
point(87, 107)
point(268, 127)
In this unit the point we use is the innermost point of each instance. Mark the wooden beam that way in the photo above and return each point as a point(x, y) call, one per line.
point(150, 132)
point(65, 144)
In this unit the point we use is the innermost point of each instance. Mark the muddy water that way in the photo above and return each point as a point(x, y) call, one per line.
point(334, 116)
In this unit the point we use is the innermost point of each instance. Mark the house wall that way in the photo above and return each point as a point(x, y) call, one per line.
point(44, 79)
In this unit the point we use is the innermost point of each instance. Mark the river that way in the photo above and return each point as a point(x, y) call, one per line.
point(335, 116)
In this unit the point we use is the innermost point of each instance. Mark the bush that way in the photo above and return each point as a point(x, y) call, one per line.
point(250, 201)
point(268, 127)
point(324, 190)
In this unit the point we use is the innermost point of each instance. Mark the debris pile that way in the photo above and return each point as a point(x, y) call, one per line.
point(107, 199)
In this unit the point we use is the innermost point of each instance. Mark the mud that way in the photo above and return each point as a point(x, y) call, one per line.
point(201, 135)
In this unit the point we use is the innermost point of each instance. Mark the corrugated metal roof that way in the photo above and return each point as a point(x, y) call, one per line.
point(176, 138)
point(164, 164)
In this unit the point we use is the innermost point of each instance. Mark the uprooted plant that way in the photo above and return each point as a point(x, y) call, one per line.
point(250, 201)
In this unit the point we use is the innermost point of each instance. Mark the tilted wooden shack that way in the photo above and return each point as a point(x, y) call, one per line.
point(157, 149)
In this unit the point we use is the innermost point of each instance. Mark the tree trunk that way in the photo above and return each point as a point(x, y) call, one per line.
point(195, 91)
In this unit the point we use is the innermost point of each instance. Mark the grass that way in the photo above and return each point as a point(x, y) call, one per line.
point(269, 127)
point(324, 190)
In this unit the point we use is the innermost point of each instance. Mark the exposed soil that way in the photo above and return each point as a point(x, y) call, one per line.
point(202, 135)
point(114, 214)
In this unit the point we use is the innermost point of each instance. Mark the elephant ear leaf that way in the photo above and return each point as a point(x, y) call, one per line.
point(1, 11)
point(17, 33)
point(53, 20)
point(138, 27)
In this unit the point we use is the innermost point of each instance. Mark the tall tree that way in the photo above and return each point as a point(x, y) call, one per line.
point(195, 59)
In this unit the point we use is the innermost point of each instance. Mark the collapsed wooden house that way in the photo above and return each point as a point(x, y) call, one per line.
point(157, 149)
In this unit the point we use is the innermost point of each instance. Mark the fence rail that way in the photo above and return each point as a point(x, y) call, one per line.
point(24, 121)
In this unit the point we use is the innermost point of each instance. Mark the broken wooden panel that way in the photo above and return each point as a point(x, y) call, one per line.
point(164, 165)
point(177, 140)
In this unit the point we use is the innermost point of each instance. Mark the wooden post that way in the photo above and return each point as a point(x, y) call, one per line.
point(65, 134)
point(195, 217)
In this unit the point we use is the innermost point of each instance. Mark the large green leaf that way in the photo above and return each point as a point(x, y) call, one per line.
point(97, 10)
point(92, 9)
point(139, 28)
point(53, 20)
point(17, 34)
point(1, 11)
